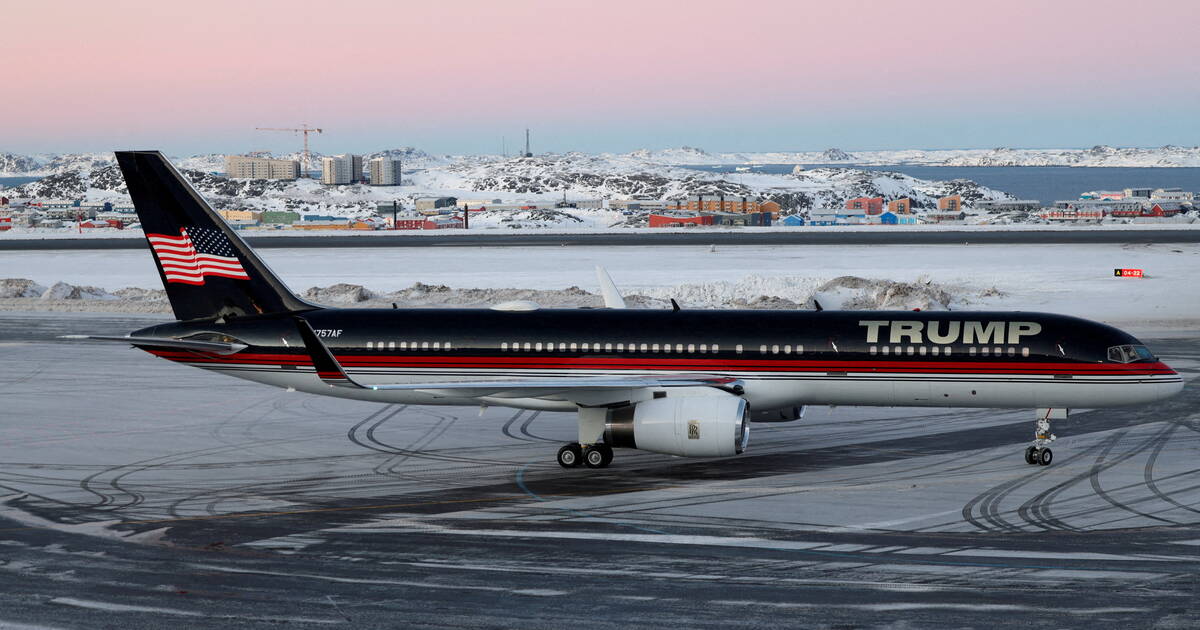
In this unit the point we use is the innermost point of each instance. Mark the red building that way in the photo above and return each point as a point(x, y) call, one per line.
point(866, 205)
point(5, 223)
point(667, 220)
point(442, 223)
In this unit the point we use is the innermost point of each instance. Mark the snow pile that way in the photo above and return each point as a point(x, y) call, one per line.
point(20, 288)
point(64, 291)
point(752, 292)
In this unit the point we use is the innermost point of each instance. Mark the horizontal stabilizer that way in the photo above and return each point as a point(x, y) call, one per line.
point(215, 347)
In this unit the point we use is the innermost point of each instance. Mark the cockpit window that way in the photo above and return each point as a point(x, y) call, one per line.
point(1129, 354)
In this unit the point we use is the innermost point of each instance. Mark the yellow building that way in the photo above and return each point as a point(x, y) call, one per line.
point(240, 215)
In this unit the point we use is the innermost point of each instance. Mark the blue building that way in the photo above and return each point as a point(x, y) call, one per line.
point(891, 218)
point(792, 220)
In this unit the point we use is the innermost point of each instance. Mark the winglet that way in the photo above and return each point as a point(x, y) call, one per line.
point(608, 289)
point(328, 369)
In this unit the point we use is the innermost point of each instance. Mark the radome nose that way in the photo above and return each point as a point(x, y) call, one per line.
point(1167, 390)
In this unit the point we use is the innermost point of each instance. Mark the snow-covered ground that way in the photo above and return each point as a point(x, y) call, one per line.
point(15, 165)
point(1072, 279)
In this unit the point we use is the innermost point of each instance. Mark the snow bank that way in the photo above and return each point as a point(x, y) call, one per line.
point(752, 292)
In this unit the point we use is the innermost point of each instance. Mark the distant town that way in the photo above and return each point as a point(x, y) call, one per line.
point(438, 212)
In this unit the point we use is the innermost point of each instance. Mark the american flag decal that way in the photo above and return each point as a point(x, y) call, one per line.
point(196, 253)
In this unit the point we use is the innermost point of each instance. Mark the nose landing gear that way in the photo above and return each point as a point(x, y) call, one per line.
point(1039, 452)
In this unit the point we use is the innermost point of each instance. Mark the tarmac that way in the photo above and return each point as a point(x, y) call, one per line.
point(811, 236)
point(135, 493)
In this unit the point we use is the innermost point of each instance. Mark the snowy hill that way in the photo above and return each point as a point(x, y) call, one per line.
point(545, 179)
point(1098, 156)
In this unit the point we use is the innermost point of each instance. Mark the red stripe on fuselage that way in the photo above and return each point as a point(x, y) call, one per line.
point(629, 363)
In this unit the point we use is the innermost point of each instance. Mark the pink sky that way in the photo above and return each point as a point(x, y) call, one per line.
point(616, 75)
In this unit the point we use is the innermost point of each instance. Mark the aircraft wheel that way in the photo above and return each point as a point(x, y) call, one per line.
point(608, 453)
point(570, 455)
point(1031, 455)
point(1045, 457)
point(594, 457)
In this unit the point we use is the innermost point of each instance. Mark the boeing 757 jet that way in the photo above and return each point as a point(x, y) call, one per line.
point(681, 381)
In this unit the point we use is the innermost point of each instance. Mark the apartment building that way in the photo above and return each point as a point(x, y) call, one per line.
point(243, 167)
point(384, 172)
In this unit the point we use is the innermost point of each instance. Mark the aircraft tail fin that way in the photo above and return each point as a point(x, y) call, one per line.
point(206, 268)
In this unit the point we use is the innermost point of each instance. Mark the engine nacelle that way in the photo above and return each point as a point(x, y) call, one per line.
point(704, 423)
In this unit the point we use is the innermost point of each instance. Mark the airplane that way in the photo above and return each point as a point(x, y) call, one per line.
point(681, 382)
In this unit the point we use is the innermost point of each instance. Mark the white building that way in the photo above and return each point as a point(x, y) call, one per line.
point(384, 172)
point(242, 167)
point(341, 169)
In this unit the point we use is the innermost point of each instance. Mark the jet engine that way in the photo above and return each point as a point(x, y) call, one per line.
point(704, 422)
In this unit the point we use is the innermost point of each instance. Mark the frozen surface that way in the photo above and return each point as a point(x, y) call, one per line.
point(167, 493)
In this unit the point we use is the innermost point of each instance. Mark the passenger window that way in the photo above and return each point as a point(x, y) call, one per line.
point(703, 348)
point(873, 350)
point(935, 351)
point(799, 348)
point(762, 349)
point(1012, 352)
point(738, 348)
point(787, 349)
point(679, 348)
point(573, 347)
point(504, 346)
point(1024, 352)
point(985, 351)
point(971, 351)
point(911, 350)
point(998, 351)
point(774, 349)
point(716, 348)
point(691, 347)
point(654, 347)
point(947, 352)
point(528, 346)
point(424, 345)
point(562, 347)
point(404, 345)
point(644, 347)
point(608, 347)
point(921, 351)
point(370, 345)
point(538, 346)
point(886, 349)
point(437, 346)
point(446, 346)
point(620, 347)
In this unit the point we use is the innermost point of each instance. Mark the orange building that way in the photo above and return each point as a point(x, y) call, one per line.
point(900, 206)
point(866, 205)
point(953, 203)
point(724, 203)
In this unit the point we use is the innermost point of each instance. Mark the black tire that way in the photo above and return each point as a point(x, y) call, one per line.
point(608, 453)
point(594, 457)
point(570, 456)
point(1031, 455)
point(1045, 457)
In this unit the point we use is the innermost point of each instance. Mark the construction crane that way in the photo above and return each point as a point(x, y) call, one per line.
point(304, 129)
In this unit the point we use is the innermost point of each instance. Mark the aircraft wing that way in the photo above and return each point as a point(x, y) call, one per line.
point(330, 371)
point(216, 347)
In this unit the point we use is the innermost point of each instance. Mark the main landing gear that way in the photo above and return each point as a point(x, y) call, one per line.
point(1039, 452)
point(594, 456)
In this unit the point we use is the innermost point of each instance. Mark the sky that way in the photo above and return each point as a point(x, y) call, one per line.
point(468, 76)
